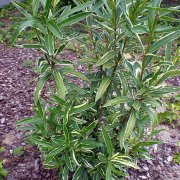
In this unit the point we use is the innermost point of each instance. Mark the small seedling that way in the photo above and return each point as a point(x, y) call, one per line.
point(27, 63)
point(2, 149)
point(3, 172)
point(177, 158)
point(18, 151)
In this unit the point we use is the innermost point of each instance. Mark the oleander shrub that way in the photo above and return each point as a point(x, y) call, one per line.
point(99, 128)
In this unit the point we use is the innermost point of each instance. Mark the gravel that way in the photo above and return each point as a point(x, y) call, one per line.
point(16, 94)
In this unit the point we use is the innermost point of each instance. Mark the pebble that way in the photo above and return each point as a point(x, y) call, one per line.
point(170, 158)
point(3, 120)
point(143, 177)
point(145, 168)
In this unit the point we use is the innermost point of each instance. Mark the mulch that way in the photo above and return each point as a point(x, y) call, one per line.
point(16, 94)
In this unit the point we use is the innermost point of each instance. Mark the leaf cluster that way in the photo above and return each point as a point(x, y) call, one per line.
point(98, 129)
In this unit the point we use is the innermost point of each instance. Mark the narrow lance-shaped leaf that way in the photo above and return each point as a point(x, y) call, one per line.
point(171, 73)
point(54, 29)
point(42, 80)
point(168, 52)
point(65, 173)
point(74, 19)
point(109, 171)
point(118, 100)
point(31, 120)
point(78, 173)
point(108, 142)
point(164, 40)
point(130, 125)
point(109, 55)
point(22, 10)
point(49, 40)
point(75, 73)
point(68, 162)
point(35, 6)
point(22, 26)
point(87, 130)
point(76, 9)
point(82, 107)
point(61, 88)
point(102, 88)
point(60, 48)
point(152, 115)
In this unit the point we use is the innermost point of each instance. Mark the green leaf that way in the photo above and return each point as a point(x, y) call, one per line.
point(65, 173)
point(102, 88)
point(130, 125)
point(164, 40)
point(73, 156)
point(90, 143)
point(78, 173)
point(167, 18)
point(22, 10)
point(61, 88)
point(166, 29)
point(137, 105)
point(152, 115)
point(75, 9)
point(59, 100)
point(68, 162)
point(109, 171)
point(42, 80)
point(139, 29)
point(118, 100)
point(56, 151)
point(87, 130)
point(148, 143)
point(60, 48)
point(168, 52)
point(102, 157)
point(171, 73)
point(82, 107)
point(49, 41)
point(31, 46)
point(121, 136)
point(163, 9)
point(108, 142)
point(54, 29)
point(35, 6)
point(41, 142)
point(74, 19)
point(124, 84)
point(125, 162)
point(106, 57)
point(23, 25)
point(75, 73)
point(30, 120)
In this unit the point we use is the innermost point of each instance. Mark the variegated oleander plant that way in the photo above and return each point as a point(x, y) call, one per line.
point(98, 130)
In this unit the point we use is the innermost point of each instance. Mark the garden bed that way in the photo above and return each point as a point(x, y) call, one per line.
point(23, 161)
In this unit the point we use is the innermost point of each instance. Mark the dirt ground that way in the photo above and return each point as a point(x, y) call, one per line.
point(16, 93)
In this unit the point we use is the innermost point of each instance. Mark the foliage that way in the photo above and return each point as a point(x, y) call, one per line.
point(18, 151)
point(27, 63)
point(177, 158)
point(3, 172)
point(98, 129)
point(172, 109)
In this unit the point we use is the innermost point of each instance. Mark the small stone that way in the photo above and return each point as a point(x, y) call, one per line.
point(170, 158)
point(3, 120)
point(145, 168)
point(143, 177)
point(1, 98)
point(155, 147)
point(11, 151)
